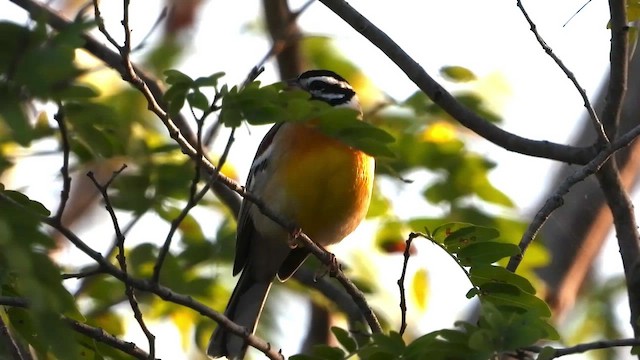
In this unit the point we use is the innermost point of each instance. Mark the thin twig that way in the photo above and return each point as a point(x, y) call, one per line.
point(403, 299)
point(90, 331)
point(100, 22)
point(102, 336)
point(13, 301)
point(129, 74)
point(122, 261)
point(576, 13)
point(556, 199)
point(88, 280)
point(580, 348)
point(84, 274)
point(597, 124)
point(64, 170)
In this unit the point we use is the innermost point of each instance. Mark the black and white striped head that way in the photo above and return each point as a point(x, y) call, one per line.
point(327, 86)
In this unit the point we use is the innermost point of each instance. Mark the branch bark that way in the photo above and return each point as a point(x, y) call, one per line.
point(285, 35)
point(440, 96)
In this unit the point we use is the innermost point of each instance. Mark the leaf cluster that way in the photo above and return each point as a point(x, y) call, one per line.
point(27, 272)
point(511, 316)
point(260, 105)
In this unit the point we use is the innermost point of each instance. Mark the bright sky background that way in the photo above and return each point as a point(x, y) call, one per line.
point(490, 37)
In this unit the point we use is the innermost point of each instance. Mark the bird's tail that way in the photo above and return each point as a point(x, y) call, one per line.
point(244, 308)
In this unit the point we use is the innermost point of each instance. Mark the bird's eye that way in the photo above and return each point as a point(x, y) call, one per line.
point(317, 85)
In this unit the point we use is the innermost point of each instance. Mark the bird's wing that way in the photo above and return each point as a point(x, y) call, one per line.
point(246, 231)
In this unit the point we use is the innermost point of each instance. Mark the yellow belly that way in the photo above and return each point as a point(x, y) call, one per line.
point(326, 184)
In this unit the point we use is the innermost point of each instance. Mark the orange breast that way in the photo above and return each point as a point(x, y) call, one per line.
point(327, 185)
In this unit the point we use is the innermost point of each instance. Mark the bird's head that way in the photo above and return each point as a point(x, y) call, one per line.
point(327, 86)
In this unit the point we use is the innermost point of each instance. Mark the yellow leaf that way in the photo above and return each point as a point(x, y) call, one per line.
point(439, 132)
point(184, 321)
point(420, 288)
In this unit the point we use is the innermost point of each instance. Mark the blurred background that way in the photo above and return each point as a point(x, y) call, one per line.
point(483, 52)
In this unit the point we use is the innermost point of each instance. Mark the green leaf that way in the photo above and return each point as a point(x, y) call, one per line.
point(175, 77)
point(392, 343)
point(511, 296)
point(548, 353)
point(456, 236)
point(189, 227)
point(344, 339)
point(380, 205)
point(457, 74)
point(76, 92)
point(198, 100)
point(482, 274)
point(27, 203)
point(13, 115)
point(327, 352)
point(486, 253)
point(211, 80)
point(482, 340)
point(490, 193)
point(420, 103)
point(303, 357)
point(96, 126)
point(141, 259)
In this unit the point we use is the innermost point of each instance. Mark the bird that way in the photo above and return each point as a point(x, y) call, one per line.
point(316, 181)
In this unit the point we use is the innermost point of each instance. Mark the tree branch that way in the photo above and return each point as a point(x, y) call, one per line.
point(580, 348)
point(102, 336)
point(122, 261)
point(64, 170)
point(627, 234)
point(285, 35)
point(95, 333)
point(618, 71)
point(131, 75)
point(403, 300)
point(440, 96)
point(556, 199)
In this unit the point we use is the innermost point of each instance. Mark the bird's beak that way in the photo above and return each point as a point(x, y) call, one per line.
point(292, 84)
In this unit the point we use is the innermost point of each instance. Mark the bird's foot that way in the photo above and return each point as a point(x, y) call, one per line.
point(292, 241)
point(331, 269)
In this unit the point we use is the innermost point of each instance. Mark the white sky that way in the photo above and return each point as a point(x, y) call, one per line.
point(489, 37)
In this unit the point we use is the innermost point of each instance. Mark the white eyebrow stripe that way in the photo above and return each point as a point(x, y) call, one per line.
point(328, 80)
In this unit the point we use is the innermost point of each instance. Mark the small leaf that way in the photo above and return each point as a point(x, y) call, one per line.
point(13, 115)
point(548, 353)
point(482, 274)
point(327, 352)
point(211, 80)
point(177, 77)
point(198, 100)
point(511, 296)
point(457, 74)
point(76, 92)
point(392, 343)
point(420, 287)
point(23, 200)
point(344, 339)
point(486, 253)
